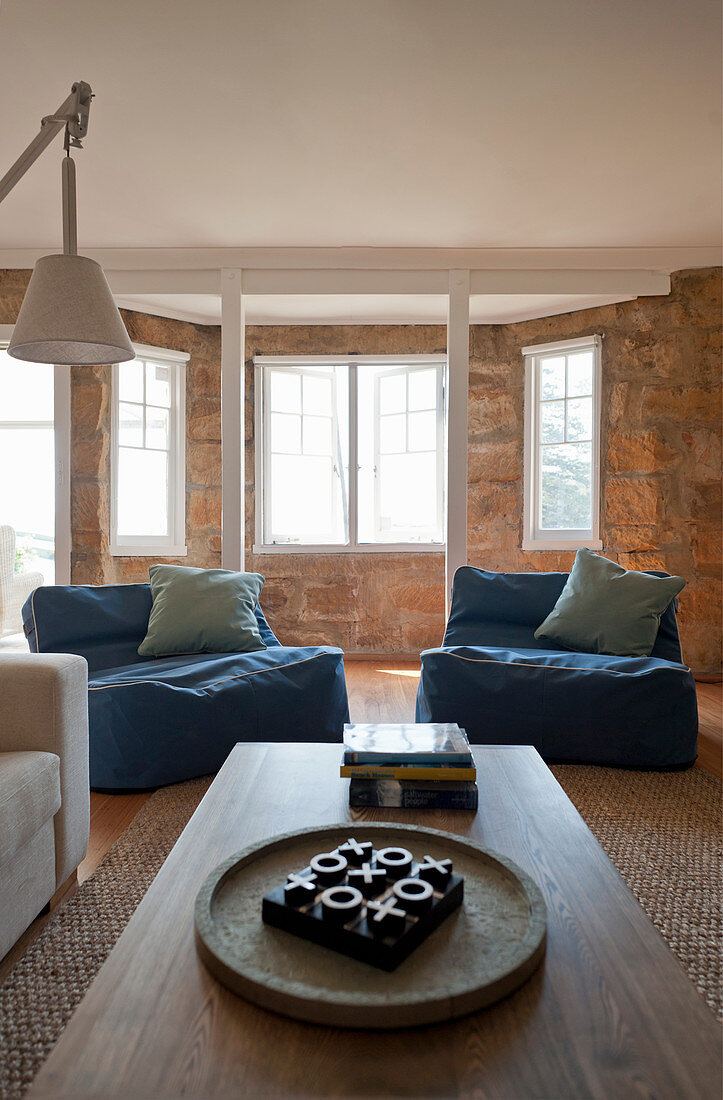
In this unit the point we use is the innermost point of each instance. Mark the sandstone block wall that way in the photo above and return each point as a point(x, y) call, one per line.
point(661, 445)
point(660, 478)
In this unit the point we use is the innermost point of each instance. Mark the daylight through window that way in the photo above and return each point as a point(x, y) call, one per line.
point(351, 454)
point(562, 416)
point(148, 513)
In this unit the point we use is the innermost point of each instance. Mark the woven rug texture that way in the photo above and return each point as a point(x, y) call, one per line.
point(662, 832)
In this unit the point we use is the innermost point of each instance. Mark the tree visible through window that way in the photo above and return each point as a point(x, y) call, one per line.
point(561, 442)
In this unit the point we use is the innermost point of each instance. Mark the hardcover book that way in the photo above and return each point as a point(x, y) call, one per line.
point(407, 744)
point(416, 796)
point(437, 772)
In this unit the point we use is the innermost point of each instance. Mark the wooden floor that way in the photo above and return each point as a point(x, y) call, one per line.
point(710, 742)
point(382, 690)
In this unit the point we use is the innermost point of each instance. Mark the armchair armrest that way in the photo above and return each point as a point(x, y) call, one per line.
point(44, 706)
point(22, 585)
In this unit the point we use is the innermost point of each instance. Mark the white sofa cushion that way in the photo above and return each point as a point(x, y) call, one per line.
point(29, 796)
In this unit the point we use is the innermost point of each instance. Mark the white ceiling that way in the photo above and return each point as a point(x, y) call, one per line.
point(369, 309)
point(450, 123)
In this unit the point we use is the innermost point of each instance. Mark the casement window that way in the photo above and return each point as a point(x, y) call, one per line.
point(349, 454)
point(562, 445)
point(148, 460)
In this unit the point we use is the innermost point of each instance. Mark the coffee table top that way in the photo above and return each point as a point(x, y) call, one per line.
point(609, 1013)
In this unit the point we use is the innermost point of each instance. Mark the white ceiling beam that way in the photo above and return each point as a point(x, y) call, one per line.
point(396, 259)
point(344, 281)
point(570, 281)
point(165, 281)
point(263, 281)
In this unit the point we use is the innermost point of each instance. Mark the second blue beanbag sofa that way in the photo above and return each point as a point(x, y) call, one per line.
point(506, 687)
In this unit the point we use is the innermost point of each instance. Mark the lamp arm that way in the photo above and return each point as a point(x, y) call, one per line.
point(72, 114)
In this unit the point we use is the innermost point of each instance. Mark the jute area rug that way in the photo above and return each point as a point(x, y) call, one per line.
point(662, 832)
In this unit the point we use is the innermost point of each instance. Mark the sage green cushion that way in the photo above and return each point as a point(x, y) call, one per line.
point(604, 608)
point(202, 611)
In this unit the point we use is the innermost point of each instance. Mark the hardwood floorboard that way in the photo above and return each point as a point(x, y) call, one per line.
point(710, 727)
point(382, 690)
point(110, 815)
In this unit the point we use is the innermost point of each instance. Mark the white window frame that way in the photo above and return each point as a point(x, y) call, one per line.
point(352, 546)
point(535, 538)
point(174, 543)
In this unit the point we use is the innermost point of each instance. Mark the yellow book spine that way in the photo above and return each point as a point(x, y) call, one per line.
point(380, 771)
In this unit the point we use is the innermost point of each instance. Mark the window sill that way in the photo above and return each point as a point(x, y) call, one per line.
point(381, 548)
point(561, 544)
point(144, 551)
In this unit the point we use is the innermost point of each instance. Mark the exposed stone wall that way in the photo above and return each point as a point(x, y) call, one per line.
point(370, 603)
point(661, 455)
point(661, 445)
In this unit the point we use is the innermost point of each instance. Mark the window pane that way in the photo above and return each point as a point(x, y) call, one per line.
point(566, 481)
point(579, 374)
point(552, 422)
point(27, 494)
point(422, 431)
point(27, 463)
point(285, 392)
point(423, 389)
point(130, 425)
point(392, 434)
point(130, 380)
point(26, 390)
point(552, 377)
point(156, 428)
point(285, 434)
point(317, 396)
point(303, 490)
point(317, 435)
point(407, 495)
point(579, 419)
point(158, 385)
point(142, 492)
point(392, 394)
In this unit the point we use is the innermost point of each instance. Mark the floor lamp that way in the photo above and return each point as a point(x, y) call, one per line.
point(68, 314)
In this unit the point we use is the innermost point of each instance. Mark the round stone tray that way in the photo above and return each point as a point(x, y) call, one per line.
point(484, 950)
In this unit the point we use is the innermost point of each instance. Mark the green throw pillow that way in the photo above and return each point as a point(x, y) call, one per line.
point(202, 611)
point(604, 608)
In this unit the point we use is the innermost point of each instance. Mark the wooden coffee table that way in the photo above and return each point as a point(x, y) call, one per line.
point(610, 1013)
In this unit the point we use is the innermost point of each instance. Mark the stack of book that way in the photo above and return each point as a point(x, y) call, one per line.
point(419, 766)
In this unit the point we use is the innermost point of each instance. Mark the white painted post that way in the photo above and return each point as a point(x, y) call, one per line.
point(457, 397)
point(233, 432)
point(63, 536)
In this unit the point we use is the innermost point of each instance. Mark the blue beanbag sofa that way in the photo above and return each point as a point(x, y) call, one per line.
point(505, 687)
point(155, 721)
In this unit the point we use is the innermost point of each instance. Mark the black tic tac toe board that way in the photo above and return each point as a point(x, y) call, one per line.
point(375, 904)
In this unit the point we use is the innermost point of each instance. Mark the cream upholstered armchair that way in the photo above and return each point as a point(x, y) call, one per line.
point(44, 787)
point(14, 587)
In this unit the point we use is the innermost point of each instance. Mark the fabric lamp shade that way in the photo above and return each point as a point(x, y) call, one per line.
point(68, 315)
